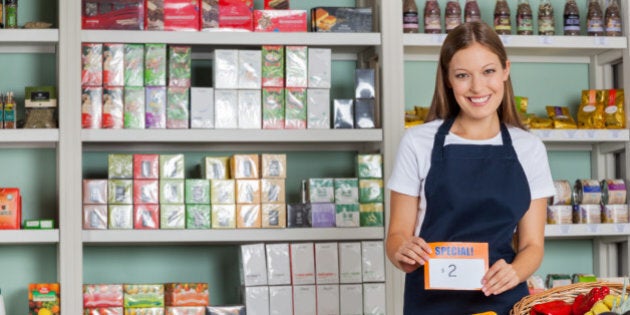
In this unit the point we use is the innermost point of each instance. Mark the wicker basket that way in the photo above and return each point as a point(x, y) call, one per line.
point(566, 293)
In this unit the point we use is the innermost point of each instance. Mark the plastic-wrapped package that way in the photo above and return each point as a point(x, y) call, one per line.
point(94, 191)
point(350, 262)
point(177, 108)
point(133, 64)
point(120, 217)
point(225, 109)
point(40, 104)
point(91, 64)
point(91, 107)
point(280, 21)
point(197, 191)
point(249, 109)
point(102, 295)
point(223, 216)
point(198, 216)
point(304, 299)
point(272, 190)
point(146, 191)
point(119, 191)
point(296, 64)
point(201, 107)
point(348, 215)
point(155, 60)
point(155, 107)
point(364, 113)
point(273, 165)
point(248, 191)
point(133, 99)
point(273, 66)
point(225, 69)
point(373, 264)
point(295, 109)
point(274, 215)
point(323, 215)
point(113, 69)
point(244, 166)
point(113, 108)
point(120, 166)
point(209, 15)
point(222, 192)
point(302, 263)
point(278, 264)
point(318, 109)
point(281, 300)
point(179, 65)
point(146, 217)
point(248, 216)
point(328, 299)
point(346, 190)
point(343, 116)
point(327, 263)
point(94, 217)
point(171, 191)
point(351, 299)
point(113, 14)
point(215, 167)
point(172, 166)
point(257, 300)
point(273, 109)
point(319, 68)
point(249, 69)
point(181, 15)
point(146, 166)
point(173, 216)
point(374, 298)
point(253, 265)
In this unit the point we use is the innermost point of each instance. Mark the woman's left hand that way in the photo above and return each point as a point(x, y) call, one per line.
point(499, 278)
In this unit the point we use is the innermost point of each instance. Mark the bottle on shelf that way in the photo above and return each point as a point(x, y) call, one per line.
point(571, 18)
point(471, 11)
point(612, 19)
point(10, 11)
point(546, 21)
point(410, 16)
point(524, 18)
point(452, 15)
point(432, 17)
point(502, 21)
point(594, 19)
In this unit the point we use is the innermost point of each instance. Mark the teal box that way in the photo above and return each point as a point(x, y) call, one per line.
point(171, 191)
point(198, 217)
point(197, 191)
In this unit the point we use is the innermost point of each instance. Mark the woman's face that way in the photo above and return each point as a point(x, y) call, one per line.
point(477, 78)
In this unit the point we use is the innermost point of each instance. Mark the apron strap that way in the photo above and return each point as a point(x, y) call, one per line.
point(438, 143)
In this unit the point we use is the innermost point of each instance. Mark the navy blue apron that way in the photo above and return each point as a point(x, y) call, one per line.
point(474, 193)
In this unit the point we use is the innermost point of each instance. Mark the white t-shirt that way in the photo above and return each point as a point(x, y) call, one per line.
point(414, 160)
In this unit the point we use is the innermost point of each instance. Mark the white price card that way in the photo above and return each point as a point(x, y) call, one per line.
point(456, 266)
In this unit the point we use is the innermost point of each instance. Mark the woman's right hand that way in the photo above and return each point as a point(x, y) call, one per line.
point(412, 253)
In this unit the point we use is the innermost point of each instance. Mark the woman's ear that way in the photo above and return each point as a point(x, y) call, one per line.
point(506, 71)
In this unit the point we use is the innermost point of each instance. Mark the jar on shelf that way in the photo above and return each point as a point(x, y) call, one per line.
point(452, 15)
point(571, 18)
point(546, 20)
point(524, 18)
point(594, 19)
point(11, 14)
point(471, 11)
point(432, 17)
point(612, 19)
point(502, 21)
point(410, 16)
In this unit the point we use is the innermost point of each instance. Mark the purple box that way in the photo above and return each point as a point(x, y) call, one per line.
point(323, 214)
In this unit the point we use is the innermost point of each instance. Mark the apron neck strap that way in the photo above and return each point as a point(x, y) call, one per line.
point(444, 129)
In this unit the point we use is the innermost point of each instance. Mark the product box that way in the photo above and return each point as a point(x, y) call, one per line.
point(370, 166)
point(173, 216)
point(146, 217)
point(198, 217)
point(351, 299)
point(280, 21)
point(587, 214)
point(120, 217)
point(225, 109)
point(113, 69)
point(273, 166)
point(226, 310)
point(146, 166)
point(38, 224)
point(95, 191)
point(328, 299)
point(296, 64)
point(272, 190)
point(91, 107)
point(102, 295)
point(185, 310)
point(144, 311)
point(120, 192)
point(373, 266)
point(244, 166)
point(343, 117)
point(304, 300)
point(249, 69)
point(253, 265)
point(201, 108)
point(249, 109)
point(295, 108)
point(615, 213)
point(197, 191)
point(273, 109)
point(112, 15)
point(299, 215)
point(347, 215)
point(276, 4)
point(143, 295)
point(179, 65)
point(113, 108)
point(209, 15)
point(91, 64)
point(371, 191)
point(222, 191)
point(350, 262)
point(364, 113)
point(278, 264)
point(172, 166)
point(224, 216)
point(320, 190)
point(95, 217)
point(364, 83)
point(236, 15)
point(177, 107)
point(248, 191)
point(186, 294)
point(155, 110)
point(103, 311)
point(319, 68)
point(215, 167)
point(346, 191)
point(134, 105)
point(318, 108)
point(273, 66)
point(341, 19)
point(248, 216)
point(280, 300)
point(172, 15)
point(323, 215)
point(302, 263)
point(171, 191)
point(133, 64)
point(374, 298)
point(146, 191)
point(10, 209)
point(44, 298)
point(225, 69)
point(371, 214)
point(120, 166)
point(155, 61)
point(274, 215)
point(326, 263)
point(257, 300)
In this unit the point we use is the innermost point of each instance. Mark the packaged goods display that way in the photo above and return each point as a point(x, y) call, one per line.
point(44, 298)
point(40, 105)
point(410, 16)
point(612, 19)
point(280, 21)
point(524, 18)
point(103, 14)
point(452, 15)
point(432, 17)
point(546, 20)
point(571, 18)
point(502, 18)
point(594, 19)
point(341, 19)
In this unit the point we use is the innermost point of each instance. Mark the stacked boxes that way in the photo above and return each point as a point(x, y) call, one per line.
point(120, 191)
point(172, 207)
point(146, 191)
point(371, 192)
point(272, 184)
point(358, 112)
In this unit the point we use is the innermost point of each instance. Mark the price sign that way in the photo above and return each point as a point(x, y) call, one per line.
point(456, 266)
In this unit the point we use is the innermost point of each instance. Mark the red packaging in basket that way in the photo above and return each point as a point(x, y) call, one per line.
point(236, 14)
point(280, 21)
point(10, 209)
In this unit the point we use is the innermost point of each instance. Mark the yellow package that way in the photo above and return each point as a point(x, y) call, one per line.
point(536, 122)
point(521, 103)
point(411, 119)
point(561, 117)
point(591, 112)
point(614, 116)
point(421, 112)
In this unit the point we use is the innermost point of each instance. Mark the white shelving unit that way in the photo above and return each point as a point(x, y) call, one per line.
point(591, 231)
point(14, 237)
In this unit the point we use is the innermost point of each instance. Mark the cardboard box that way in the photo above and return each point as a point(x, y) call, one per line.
point(236, 15)
point(134, 107)
point(155, 107)
point(302, 263)
point(280, 21)
point(146, 217)
point(186, 294)
point(120, 217)
point(223, 216)
point(201, 108)
point(341, 19)
point(257, 300)
point(225, 109)
point(278, 264)
point(173, 216)
point(327, 263)
point(253, 265)
point(44, 296)
point(102, 295)
point(280, 300)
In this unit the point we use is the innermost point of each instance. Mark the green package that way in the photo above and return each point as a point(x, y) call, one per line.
point(143, 295)
point(371, 214)
point(295, 108)
point(197, 191)
point(370, 166)
point(371, 190)
point(177, 107)
point(321, 190)
point(347, 215)
point(120, 191)
point(134, 64)
point(198, 216)
point(173, 217)
point(134, 107)
point(155, 65)
point(273, 108)
point(120, 166)
point(272, 66)
point(179, 64)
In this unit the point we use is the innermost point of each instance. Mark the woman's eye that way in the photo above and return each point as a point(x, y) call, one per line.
point(489, 71)
point(460, 75)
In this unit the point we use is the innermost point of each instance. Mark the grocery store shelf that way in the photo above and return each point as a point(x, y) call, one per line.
point(134, 237)
point(29, 137)
point(582, 135)
point(29, 36)
point(8, 237)
point(569, 231)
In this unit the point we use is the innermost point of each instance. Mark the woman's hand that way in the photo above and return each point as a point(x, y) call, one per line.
point(499, 278)
point(412, 253)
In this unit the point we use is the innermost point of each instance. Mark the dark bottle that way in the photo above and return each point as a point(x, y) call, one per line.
point(471, 11)
point(612, 19)
point(546, 21)
point(432, 17)
point(452, 15)
point(524, 18)
point(410, 16)
point(594, 19)
point(502, 21)
point(10, 14)
point(571, 18)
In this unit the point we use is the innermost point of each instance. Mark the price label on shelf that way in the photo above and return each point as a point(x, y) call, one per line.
point(600, 40)
point(546, 40)
point(505, 39)
point(456, 266)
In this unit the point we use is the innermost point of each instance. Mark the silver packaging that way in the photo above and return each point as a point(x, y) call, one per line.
point(343, 116)
point(201, 108)
point(364, 83)
point(296, 65)
point(249, 69)
point(225, 69)
point(318, 109)
point(364, 113)
point(225, 109)
point(319, 68)
point(249, 109)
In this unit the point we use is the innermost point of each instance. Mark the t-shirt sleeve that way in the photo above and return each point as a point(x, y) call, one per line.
point(536, 167)
point(404, 178)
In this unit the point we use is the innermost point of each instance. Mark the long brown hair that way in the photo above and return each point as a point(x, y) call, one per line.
point(444, 105)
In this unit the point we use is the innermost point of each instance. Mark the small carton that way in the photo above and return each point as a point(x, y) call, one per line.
point(278, 264)
point(225, 68)
point(304, 299)
point(373, 264)
point(215, 167)
point(133, 64)
point(244, 166)
point(143, 295)
point(186, 294)
point(350, 262)
point(146, 191)
point(225, 109)
point(318, 109)
point(197, 191)
point(10, 209)
point(236, 15)
point(44, 298)
point(273, 165)
point(120, 191)
point(120, 166)
point(223, 216)
point(249, 69)
point(273, 108)
point(248, 191)
point(248, 216)
point(179, 65)
point(198, 217)
point(296, 66)
point(253, 265)
point(326, 263)
point(155, 110)
point(119, 15)
point(281, 299)
point(120, 217)
point(113, 108)
point(95, 217)
point(155, 61)
point(295, 108)
point(95, 191)
point(102, 295)
point(249, 109)
point(146, 166)
point(146, 217)
point(91, 64)
point(202, 107)
point(272, 190)
point(134, 107)
point(302, 263)
point(177, 115)
point(280, 21)
point(113, 69)
point(257, 300)
point(273, 66)
point(343, 117)
point(172, 166)
point(319, 68)
point(374, 298)
point(91, 107)
point(171, 191)
point(328, 299)
point(173, 216)
point(274, 215)
point(222, 191)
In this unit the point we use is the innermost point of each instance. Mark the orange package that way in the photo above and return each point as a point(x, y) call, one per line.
point(186, 294)
point(43, 298)
point(10, 208)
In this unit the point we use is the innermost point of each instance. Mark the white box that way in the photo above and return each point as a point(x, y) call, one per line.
point(350, 262)
point(249, 69)
point(225, 109)
point(225, 69)
point(373, 266)
point(351, 299)
point(328, 299)
point(249, 109)
point(257, 300)
point(278, 264)
point(296, 66)
point(302, 263)
point(304, 300)
point(280, 300)
point(326, 263)
point(318, 109)
point(319, 67)
point(374, 299)
point(253, 265)
point(201, 108)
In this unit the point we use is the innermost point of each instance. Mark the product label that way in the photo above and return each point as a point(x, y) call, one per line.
point(502, 23)
point(432, 23)
point(571, 22)
point(525, 23)
point(595, 25)
point(614, 25)
point(545, 24)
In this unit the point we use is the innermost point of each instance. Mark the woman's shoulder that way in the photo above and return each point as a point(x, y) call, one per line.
point(525, 140)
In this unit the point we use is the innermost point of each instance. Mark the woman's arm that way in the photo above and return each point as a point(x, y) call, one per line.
point(531, 247)
point(405, 250)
